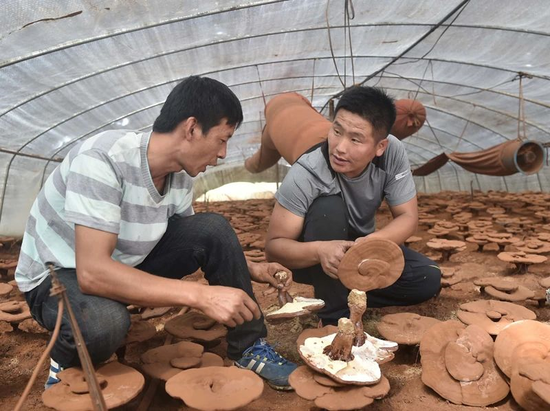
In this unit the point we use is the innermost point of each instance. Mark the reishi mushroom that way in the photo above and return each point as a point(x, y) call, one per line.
point(405, 328)
point(457, 363)
point(503, 289)
point(447, 247)
point(121, 385)
point(493, 315)
point(521, 260)
point(310, 385)
point(216, 388)
point(371, 264)
point(196, 326)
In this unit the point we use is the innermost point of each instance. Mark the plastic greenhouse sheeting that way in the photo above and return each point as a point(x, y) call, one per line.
point(72, 68)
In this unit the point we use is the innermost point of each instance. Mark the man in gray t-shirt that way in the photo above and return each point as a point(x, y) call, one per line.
point(330, 197)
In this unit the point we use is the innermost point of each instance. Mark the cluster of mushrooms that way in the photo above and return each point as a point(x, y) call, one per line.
point(342, 370)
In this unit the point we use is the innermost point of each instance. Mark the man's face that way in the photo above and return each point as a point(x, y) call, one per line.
point(207, 149)
point(352, 144)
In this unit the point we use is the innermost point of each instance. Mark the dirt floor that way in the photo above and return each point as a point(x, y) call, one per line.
point(20, 350)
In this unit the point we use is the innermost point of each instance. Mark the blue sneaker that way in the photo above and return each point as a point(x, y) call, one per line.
point(52, 378)
point(268, 364)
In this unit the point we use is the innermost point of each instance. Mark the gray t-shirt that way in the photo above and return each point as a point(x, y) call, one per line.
point(388, 176)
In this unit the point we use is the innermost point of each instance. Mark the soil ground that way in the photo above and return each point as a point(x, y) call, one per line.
point(20, 350)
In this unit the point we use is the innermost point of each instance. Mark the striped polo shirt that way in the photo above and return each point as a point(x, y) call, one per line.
point(105, 184)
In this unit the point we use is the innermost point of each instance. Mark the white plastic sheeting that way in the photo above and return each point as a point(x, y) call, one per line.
point(72, 68)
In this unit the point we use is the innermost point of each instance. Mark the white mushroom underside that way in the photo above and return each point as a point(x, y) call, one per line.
point(298, 304)
point(363, 369)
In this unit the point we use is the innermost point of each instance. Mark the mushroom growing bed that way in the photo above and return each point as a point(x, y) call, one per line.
point(20, 351)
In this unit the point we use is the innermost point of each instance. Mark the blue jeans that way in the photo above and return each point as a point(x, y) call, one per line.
point(205, 241)
point(327, 219)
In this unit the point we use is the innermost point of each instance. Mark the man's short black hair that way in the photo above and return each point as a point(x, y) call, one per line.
point(372, 104)
point(206, 99)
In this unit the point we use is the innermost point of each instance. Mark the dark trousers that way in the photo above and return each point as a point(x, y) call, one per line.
point(204, 241)
point(327, 219)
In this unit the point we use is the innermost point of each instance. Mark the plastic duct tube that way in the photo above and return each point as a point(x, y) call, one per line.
point(292, 126)
point(527, 157)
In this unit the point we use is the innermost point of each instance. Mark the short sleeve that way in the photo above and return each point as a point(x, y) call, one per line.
point(297, 190)
point(399, 187)
point(94, 192)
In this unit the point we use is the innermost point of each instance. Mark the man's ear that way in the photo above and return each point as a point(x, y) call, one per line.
point(188, 128)
point(381, 147)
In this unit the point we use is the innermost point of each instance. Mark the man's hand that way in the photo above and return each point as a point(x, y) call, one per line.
point(331, 253)
point(265, 273)
point(227, 305)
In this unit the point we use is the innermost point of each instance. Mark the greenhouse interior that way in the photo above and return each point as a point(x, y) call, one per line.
point(274, 205)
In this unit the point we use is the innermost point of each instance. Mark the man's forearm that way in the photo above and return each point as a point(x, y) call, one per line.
point(292, 253)
point(117, 281)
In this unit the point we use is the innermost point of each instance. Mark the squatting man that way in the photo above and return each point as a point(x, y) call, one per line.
point(115, 219)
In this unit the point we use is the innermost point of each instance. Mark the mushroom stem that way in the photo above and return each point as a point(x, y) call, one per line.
point(283, 296)
point(357, 302)
point(340, 349)
point(521, 268)
point(445, 255)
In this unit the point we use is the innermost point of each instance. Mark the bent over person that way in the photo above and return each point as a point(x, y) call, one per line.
point(116, 221)
point(329, 199)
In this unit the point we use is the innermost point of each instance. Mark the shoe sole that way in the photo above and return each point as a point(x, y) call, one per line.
point(274, 386)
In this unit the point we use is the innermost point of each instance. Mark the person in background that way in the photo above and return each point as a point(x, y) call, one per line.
point(329, 198)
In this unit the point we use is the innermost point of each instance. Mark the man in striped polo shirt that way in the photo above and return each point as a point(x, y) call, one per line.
point(115, 220)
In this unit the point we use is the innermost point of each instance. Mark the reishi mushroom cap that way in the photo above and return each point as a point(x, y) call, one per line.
point(216, 388)
point(196, 326)
point(5, 289)
point(439, 367)
point(305, 382)
point(405, 328)
point(516, 335)
point(157, 362)
point(122, 384)
point(14, 311)
point(493, 315)
point(140, 331)
point(371, 265)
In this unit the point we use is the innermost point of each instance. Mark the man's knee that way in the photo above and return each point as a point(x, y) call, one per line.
point(431, 281)
point(104, 330)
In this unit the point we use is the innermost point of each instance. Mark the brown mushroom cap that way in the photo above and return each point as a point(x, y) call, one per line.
point(14, 311)
point(442, 244)
point(405, 328)
point(530, 366)
point(157, 362)
point(371, 265)
point(520, 294)
point(475, 387)
point(502, 284)
point(216, 388)
point(299, 307)
point(305, 381)
point(140, 331)
point(493, 315)
point(5, 289)
point(516, 335)
point(545, 282)
point(123, 383)
point(154, 312)
point(521, 257)
point(196, 326)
